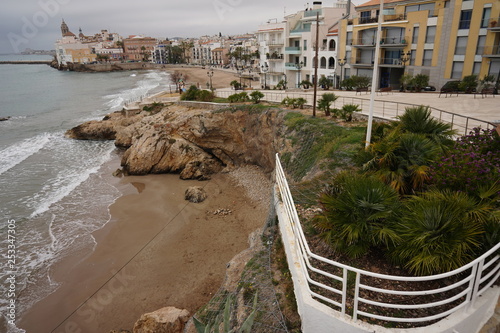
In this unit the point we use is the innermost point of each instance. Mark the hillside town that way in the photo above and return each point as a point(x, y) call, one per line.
point(441, 39)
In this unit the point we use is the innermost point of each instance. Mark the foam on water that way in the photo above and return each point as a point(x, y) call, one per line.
point(16, 153)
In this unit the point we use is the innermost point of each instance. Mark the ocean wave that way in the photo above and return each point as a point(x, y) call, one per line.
point(69, 178)
point(16, 153)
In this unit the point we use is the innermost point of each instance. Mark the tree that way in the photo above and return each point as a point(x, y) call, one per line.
point(361, 81)
point(468, 84)
point(358, 211)
point(145, 55)
point(405, 81)
point(185, 46)
point(419, 82)
point(305, 84)
point(235, 84)
point(325, 102)
point(325, 82)
point(347, 110)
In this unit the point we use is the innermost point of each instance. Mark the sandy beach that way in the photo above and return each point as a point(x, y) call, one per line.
point(157, 250)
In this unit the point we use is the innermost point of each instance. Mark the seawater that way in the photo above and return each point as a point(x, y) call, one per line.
point(54, 188)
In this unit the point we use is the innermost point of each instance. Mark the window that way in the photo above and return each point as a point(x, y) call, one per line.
point(477, 68)
point(412, 57)
point(348, 56)
point(414, 38)
point(481, 40)
point(456, 71)
point(430, 35)
point(461, 45)
point(305, 45)
point(331, 63)
point(465, 17)
point(332, 45)
point(349, 38)
point(427, 60)
point(322, 62)
point(417, 8)
point(305, 61)
point(486, 17)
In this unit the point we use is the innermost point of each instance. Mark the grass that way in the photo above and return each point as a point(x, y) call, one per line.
point(319, 142)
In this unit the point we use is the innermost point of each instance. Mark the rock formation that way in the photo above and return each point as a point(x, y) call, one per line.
point(192, 142)
point(165, 320)
point(195, 194)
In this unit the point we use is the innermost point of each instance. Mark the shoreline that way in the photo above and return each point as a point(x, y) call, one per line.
point(156, 250)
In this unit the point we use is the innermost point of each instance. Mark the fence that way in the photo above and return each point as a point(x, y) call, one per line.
point(354, 292)
point(382, 109)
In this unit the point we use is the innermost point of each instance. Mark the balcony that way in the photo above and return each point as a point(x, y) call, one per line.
point(275, 57)
point(372, 20)
point(385, 42)
point(276, 42)
point(312, 13)
point(491, 51)
point(293, 50)
point(291, 66)
point(494, 24)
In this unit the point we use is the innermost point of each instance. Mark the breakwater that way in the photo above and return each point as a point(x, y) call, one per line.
point(26, 62)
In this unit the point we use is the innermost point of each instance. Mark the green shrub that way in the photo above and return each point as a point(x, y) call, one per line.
point(468, 84)
point(347, 110)
point(190, 94)
point(325, 102)
point(299, 102)
point(325, 82)
point(358, 211)
point(306, 84)
point(240, 97)
point(256, 96)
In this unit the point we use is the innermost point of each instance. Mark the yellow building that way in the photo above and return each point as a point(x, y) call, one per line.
point(444, 39)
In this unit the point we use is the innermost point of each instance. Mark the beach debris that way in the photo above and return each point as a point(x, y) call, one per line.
point(165, 320)
point(221, 212)
point(195, 194)
point(4, 118)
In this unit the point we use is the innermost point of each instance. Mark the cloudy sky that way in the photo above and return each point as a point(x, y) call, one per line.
point(36, 23)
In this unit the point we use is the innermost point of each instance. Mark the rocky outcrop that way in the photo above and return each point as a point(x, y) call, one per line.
point(195, 194)
point(165, 320)
point(106, 128)
point(192, 142)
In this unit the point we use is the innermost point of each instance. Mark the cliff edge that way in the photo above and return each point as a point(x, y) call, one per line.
point(192, 141)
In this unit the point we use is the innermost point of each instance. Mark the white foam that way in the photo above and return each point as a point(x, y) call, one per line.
point(15, 154)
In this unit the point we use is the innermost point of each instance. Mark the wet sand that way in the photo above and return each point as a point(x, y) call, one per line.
point(157, 250)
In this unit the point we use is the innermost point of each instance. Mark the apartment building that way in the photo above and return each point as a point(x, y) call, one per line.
point(444, 39)
point(287, 48)
point(138, 48)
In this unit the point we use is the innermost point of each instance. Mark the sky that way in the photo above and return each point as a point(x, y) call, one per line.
point(36, 24)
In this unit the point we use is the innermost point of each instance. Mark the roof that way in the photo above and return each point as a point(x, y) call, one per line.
point(376, 2)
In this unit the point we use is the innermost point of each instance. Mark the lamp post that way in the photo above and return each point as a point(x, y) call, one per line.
point(405, 57)
point(341, 63)
point(250, 78)
point(210, 73)
point(299, 66)
point(264, 69)
point(240, 72)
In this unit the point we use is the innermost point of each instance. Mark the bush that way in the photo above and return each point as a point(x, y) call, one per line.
point(468, 84)
point(361, 81)
point(240, 97)
point(347, 110)
point(306, 84)
point(347, 84)
point(440, 231)
point(281, 85)
point(325, 82)
point(358, 213)
point(235, 84)
point(195, 94)
point(256, 96)
point(471, 165)
point(419, 82)
point(325, 102)
point(299, 102)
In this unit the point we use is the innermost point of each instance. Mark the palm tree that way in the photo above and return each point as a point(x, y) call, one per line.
point(441, 231)
point(420, 121)
point(357, 214)
point(325, 102)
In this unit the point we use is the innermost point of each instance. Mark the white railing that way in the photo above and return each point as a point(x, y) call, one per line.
point(460, 289)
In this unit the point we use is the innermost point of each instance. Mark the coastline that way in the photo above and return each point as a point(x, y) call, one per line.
point(157, 250)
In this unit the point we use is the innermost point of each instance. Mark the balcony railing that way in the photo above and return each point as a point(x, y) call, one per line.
point(293, 50)
point(494, 23)
point(384, 42)
point(276, 42)
point(374, 19)
point(291, 66)
point(313, 13)
point(491, 51)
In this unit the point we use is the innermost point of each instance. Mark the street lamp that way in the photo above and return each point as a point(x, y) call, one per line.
point(264, 69)
point(405, 57)
point(210, 73)
point(299, 66)
point(250, 78)
point(240, 72)
point(341, 63)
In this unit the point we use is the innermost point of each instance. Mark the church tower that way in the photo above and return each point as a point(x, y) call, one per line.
point(64, 28)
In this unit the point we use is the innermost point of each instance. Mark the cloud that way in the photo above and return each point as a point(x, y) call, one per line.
point(156, 18)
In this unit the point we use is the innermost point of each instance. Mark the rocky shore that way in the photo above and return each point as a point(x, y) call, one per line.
point(194, 142)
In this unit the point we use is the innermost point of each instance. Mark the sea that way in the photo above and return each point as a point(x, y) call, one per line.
point(55, 191)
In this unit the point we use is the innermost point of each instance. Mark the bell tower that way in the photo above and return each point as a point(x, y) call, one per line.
point(64, 28)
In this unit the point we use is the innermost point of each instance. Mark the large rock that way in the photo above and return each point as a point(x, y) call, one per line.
point(195, 194)
point(105, 129)
point(165, 320)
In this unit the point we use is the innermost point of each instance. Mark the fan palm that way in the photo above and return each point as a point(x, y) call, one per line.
point(441, 231)
point(357, 213)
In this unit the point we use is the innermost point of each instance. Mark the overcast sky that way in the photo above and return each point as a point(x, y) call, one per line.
point(36, 23)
